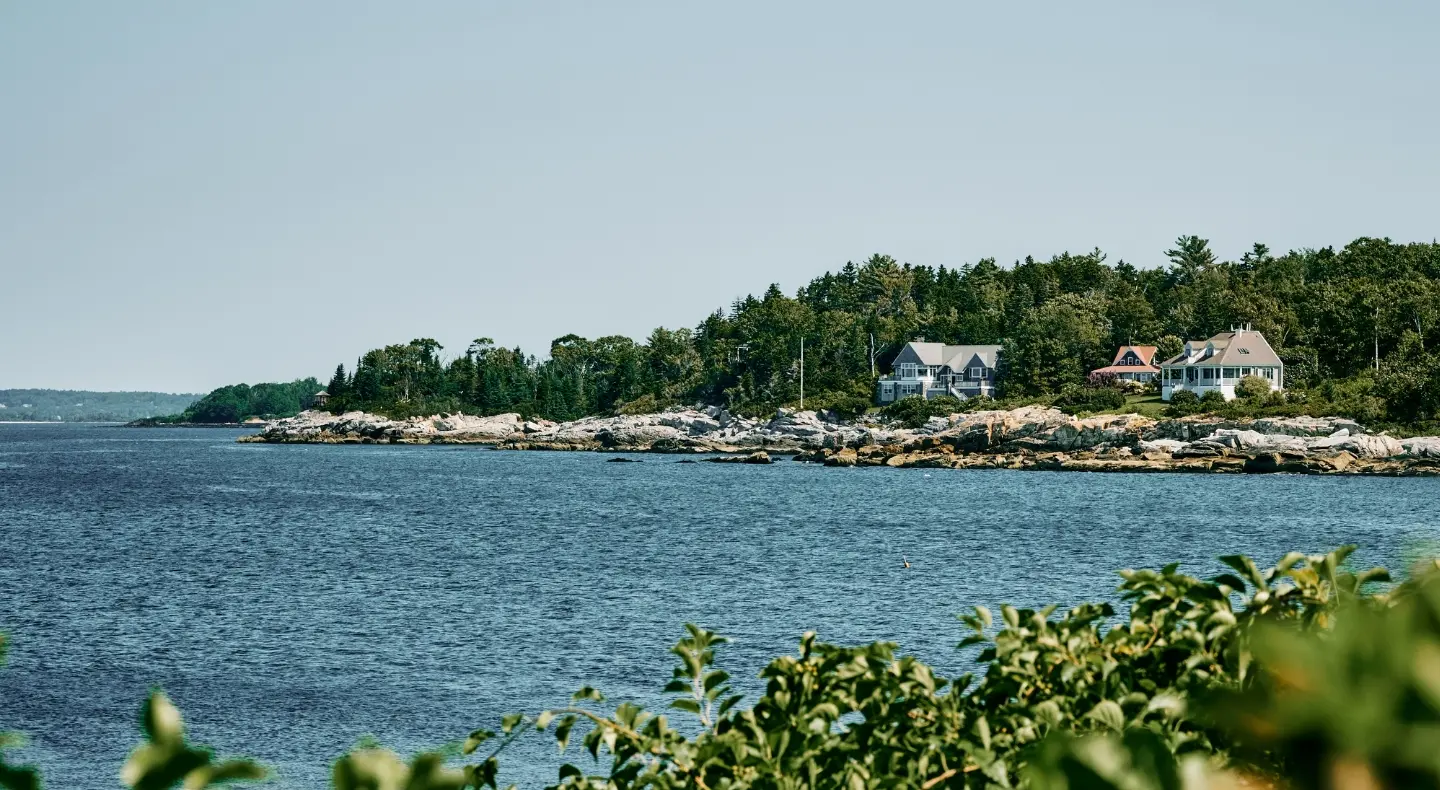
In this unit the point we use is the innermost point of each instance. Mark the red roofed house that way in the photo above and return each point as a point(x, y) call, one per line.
point(1132, 363)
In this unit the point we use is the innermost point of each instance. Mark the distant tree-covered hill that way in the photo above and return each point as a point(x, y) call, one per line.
point(83, 406)
point(239, 402)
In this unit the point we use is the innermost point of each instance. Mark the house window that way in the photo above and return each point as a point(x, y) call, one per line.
point(1232, 373)
point(1208, 373)
point(907, 370)
point(977, 373)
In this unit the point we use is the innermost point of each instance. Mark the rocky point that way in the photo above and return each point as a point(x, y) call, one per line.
point(1031, 437)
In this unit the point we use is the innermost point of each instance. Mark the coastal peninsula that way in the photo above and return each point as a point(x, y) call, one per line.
point(1034, 438)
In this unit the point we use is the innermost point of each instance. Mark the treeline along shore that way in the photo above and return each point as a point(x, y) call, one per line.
point(1033, 437)
point(1357, 329)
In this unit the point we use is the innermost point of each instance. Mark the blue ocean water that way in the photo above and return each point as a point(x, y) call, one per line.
point(295, 599)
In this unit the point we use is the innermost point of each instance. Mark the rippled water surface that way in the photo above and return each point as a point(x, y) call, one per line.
point(295, 599)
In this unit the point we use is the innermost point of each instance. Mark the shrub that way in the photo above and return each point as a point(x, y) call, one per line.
point(1271, 670)
point(913, 410)
point(1185, 398)
point(1252, 388)
point(645, 404)
point(1182, 403)
point(1212, 400)
point(1074, 399)
point(846, 405)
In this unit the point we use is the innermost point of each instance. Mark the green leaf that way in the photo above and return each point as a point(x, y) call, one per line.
point(1287, 562)
point(715, 678)
point(1339, 555)
point(488, 771)
point(1232, 581)
point(1108, 714)
point(1247, 568)
point(18, 777)
point(587, 692)
point(161, 720)
point(509, 722)
point(729, 703)
point(233, 770)
point(543, 720)
point(1373, 575)
point(998, 772)
point(686, 704)
point(476, 738)
point(562, 731)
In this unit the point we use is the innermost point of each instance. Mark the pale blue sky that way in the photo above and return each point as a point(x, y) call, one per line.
point(199, 193)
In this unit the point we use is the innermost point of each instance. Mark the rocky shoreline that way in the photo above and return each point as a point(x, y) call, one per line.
point(1037, 438)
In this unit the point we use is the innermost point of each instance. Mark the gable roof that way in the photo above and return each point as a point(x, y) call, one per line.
point(956, 358)
point(1145, 353)
point(922, 353)
point(1241, 347)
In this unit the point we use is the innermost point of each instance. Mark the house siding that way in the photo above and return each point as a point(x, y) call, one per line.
point(1218, 364)
point(937, 375)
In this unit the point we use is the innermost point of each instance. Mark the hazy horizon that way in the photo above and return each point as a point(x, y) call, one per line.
point(199, 195)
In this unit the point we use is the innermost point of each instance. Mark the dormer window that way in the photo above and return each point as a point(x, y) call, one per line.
point(977, 373)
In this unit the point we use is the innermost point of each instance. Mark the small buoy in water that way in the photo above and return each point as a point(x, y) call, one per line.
point(905, 560)
point(927, 474)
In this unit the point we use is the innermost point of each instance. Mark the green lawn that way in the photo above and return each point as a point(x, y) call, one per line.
point(1148, 405)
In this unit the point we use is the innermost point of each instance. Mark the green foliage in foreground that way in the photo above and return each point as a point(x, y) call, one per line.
point(1294, 675)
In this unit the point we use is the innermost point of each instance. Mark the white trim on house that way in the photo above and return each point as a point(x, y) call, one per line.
point(961, 371)
point(1218, 364)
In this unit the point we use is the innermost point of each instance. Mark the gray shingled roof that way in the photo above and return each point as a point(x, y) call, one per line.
point(960, 357)
point(1248, 348)
point(956, 357)
point(928, 353)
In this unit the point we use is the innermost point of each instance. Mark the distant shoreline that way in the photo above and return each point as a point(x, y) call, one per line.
point(145, 424)
point(132, 424)
point(62, 422)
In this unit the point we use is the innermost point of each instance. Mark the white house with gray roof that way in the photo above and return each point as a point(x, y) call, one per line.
point(933, 369)
point(1218, 364)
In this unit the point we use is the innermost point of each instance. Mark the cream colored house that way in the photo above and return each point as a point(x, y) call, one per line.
point(1218, 364)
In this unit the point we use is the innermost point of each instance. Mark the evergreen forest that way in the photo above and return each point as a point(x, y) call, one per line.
point(1358, 329)
point(239, 402)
